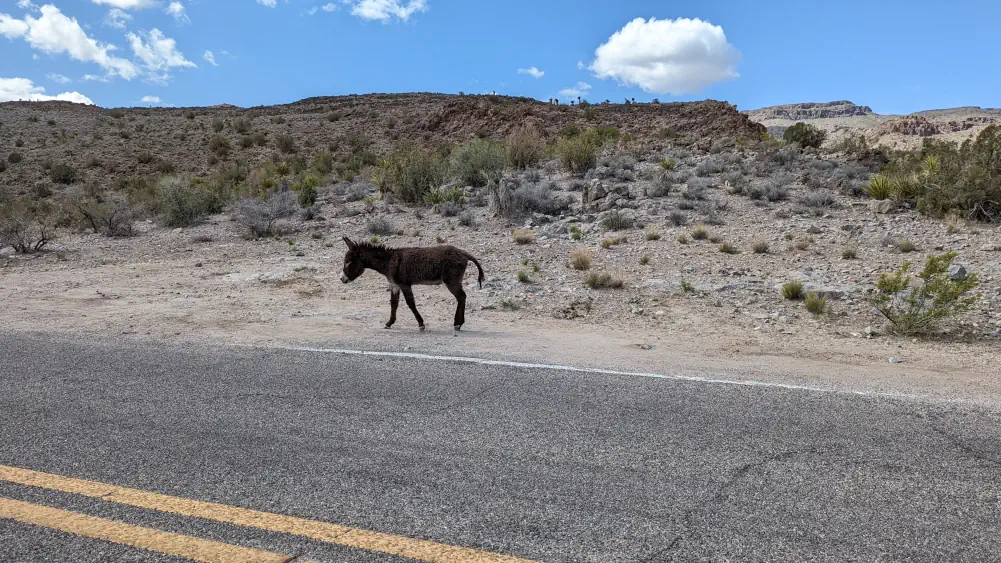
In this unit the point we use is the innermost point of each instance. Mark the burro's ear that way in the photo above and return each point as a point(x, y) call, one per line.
point(348, 242)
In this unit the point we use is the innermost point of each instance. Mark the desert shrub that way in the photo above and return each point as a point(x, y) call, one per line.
point(580, 259)
point(759, 245)
point(323, 163)
point(164, 166)
point(616, 221)
point(285, 143)
point(917, 307)
point(408, 172)
point(218, 125)
point(112, 216)
point(710, 166)
point(381, 226)
point(246, 142)
point(219, 146)
point(145, 157)
point(524, 148)
point(449, 209)
point(849, 252)
point(263, 216)
point(306, 191)
point(644, 260)
point(819, 200)
point(26, 224)
point(183, 202)
point(523, 277)
point(727, 248)
point(603, 280)
point(477, 161)
point(3, 165)
point(578, 154)
point(652, 235)
point(815, 304)
point(614, 241)
point(700, 233)
point(575, 232)
point(538, 198)
point(523, 236)
point(241, 125)
point(467, 219)
point(14, 158)
point(668, 163)
point(879, 187)
point(805, 135)
point(964, 179)
point(792, 290)
point(683, 238)
point(906, 246)
point(260, 139)
point(63, 174)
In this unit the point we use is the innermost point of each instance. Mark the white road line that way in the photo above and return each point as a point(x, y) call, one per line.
point(599, 371)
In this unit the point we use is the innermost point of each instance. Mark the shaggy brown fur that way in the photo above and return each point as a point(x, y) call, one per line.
point(406, 267)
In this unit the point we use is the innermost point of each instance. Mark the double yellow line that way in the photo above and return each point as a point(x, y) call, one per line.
point(205, 550)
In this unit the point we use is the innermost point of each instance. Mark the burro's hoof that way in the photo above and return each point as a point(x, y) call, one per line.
point(422, 327)
point(388, 326)
point(457, 328)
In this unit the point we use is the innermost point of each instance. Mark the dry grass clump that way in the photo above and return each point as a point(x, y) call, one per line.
point(816, 304)
point(727, 248)
point(683, 238)
point(523, 236)
point(613, 241)
point(849, 252)
point(906, 246)
point(700, 233)
point(580, 259)
point(603, 280)
point(644, 260)
point(793, 290)
point(652, 235)
point(759, 245)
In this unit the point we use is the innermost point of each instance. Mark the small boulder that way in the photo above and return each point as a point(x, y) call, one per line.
point(882, 206)
point(957, 272)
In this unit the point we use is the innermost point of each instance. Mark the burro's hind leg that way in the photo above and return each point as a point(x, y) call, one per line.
point(408, 294)
point(460, 296)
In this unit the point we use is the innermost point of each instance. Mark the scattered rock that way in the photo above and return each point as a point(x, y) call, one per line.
point(882, 206)
point(957, 272)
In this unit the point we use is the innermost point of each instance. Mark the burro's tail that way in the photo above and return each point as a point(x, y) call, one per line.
point(478, 267)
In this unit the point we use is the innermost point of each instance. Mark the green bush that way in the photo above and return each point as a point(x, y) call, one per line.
point(408, 172)
point(323, 163)
point(617, 222)
point(917, 307)
point(285, 143)
point(815, 304)
point(577, 154)
point(792, 290)
point(217, 125)
point(219, 146)
point(805, 135)
point(306, 191)
point(477, 161)
point(183, 202)
point(63, 174)
point(880, 186)
point(524, 148)
point(26, 224)
point(111, 216)
point(241, 126)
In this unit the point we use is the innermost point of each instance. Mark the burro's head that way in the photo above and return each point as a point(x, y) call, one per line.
point(353, 266)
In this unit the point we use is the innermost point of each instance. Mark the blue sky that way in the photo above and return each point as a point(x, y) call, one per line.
point(892, 55)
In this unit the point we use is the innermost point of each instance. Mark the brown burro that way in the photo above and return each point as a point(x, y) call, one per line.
point(407, 267)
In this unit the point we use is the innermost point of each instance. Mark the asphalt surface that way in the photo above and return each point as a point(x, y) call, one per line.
point(541, 464)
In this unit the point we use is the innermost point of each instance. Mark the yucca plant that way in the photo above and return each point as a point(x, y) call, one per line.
point(879, 187)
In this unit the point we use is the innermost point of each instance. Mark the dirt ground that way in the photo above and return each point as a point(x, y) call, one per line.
point(166, 285)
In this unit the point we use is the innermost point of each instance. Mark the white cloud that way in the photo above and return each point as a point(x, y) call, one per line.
point(151, 100)
point(117, 18)
point(58, 78)
point(158, 53)
point(268, 3)
point(579, 89)
point(126, 4)
point(385, 10)
point(580, 65)
point(54, 33)
point(210, 57)
point(14, 89)
point(328, 7)
point(677, 57)
point(177, 10)
point(534, 72)
point(26, 5)
point(95, 78)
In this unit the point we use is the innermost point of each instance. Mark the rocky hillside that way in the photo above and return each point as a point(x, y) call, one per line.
point(101, 144)
point(895, 131)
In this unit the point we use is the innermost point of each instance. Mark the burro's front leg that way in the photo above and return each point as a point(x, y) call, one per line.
point(394, 303)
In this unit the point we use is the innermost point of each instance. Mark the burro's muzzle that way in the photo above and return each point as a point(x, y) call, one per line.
point(344, 278)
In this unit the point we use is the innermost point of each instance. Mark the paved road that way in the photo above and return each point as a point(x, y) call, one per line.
point(535, 463)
